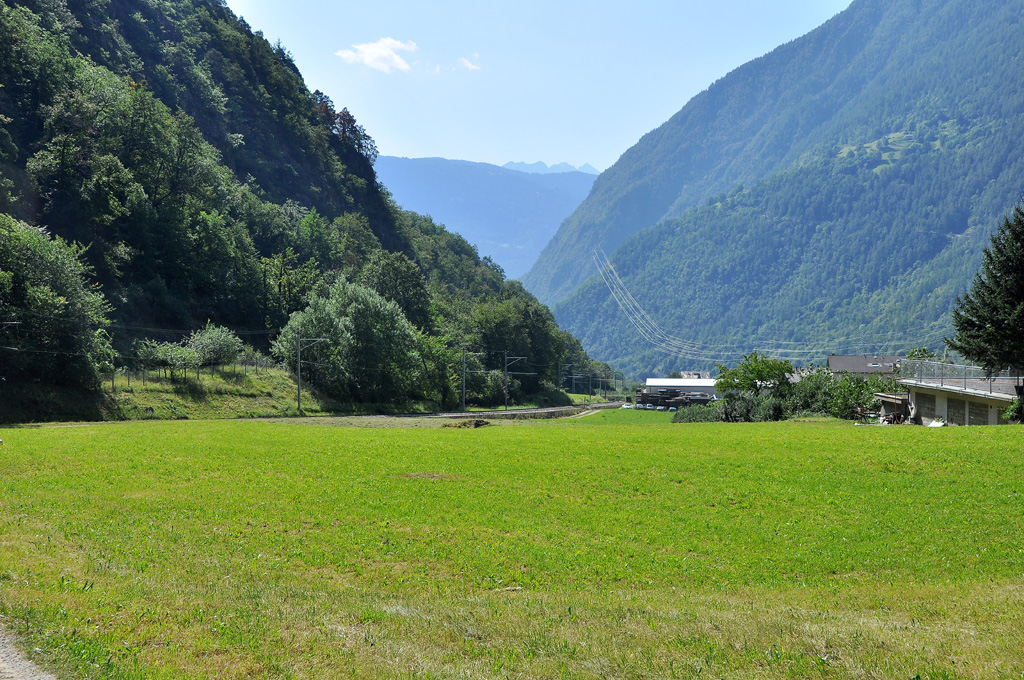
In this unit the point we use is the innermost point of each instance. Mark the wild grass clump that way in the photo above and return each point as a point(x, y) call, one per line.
point(467, 423)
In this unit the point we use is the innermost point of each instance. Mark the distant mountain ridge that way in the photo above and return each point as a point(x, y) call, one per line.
point(835, 193)
point(542, 168)
point(509, 215)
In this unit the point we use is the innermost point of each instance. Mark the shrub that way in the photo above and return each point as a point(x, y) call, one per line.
point(493, 391)
point(52, 312)
point(822, 393)
point(215, 345)
point(748, 408)
point(170, 355)
point(1014, 413)
point(701, 413)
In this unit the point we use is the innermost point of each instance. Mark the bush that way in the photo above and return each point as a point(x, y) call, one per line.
point(170, 355)
point(811, 393)
point(215, 345)
point(701, 413)
point(822, 393)
point(748, 408)
point(1014, 413)
point(493, 391)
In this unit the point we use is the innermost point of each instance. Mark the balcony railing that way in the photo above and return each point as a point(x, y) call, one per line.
point(959, 375)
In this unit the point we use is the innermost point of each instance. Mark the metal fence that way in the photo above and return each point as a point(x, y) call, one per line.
point(941, 373)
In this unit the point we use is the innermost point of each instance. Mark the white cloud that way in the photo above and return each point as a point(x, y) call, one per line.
point(381, 55)
point(468, 64)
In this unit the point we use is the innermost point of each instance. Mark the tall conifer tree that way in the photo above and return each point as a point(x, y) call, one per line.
point(989, 319)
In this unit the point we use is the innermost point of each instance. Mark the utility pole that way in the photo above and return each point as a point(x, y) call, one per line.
point(298, 366)
point(508, 361)
point(560, 383)
point(465, 371)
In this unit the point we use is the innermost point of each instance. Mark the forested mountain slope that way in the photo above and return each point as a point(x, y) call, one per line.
point(184, 151)
point(861, 252)
point(507, 214)
point(846, 220)
point(879, 67)
point(182, 159)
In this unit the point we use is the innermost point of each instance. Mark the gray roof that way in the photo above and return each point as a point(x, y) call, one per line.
point(863, 363)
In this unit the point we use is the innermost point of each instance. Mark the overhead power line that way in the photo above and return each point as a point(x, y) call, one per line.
point(662, 341)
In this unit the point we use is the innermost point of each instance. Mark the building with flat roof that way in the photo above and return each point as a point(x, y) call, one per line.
point(705, 385)
point(957, 395)
point(677, 392)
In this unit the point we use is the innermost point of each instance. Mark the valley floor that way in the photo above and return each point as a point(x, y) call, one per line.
point(617, 545)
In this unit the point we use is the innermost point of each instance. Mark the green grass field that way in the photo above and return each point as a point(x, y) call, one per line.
point(613, 546)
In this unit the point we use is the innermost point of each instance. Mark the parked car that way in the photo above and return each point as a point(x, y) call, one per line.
point(672, 409)
point(626, 406)
point(661, 408)
point(650, 407)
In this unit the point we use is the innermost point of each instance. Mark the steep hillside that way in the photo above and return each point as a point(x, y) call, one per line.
point(878, 67)
point(870, 193)
point(864, 251)
point(184, 151)
point(187, 175)
point(509, 215)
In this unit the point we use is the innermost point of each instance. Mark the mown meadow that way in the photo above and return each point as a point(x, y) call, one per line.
point(617, 545)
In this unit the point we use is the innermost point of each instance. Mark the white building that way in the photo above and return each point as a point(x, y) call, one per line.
point(684, 385)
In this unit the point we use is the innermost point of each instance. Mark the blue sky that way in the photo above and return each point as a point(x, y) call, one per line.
point(561, 80)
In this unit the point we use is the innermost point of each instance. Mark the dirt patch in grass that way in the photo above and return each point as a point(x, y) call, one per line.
point(469, 423)
point(428, 475)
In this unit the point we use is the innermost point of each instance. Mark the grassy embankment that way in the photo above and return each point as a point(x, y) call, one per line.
point(225, 392)
point(617, 545)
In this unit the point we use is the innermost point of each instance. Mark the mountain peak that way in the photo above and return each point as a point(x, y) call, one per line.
point(542, 168)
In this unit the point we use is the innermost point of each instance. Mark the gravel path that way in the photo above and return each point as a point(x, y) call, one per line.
point(13, 666)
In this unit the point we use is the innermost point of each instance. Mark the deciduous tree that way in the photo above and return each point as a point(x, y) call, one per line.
point(757, 373)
